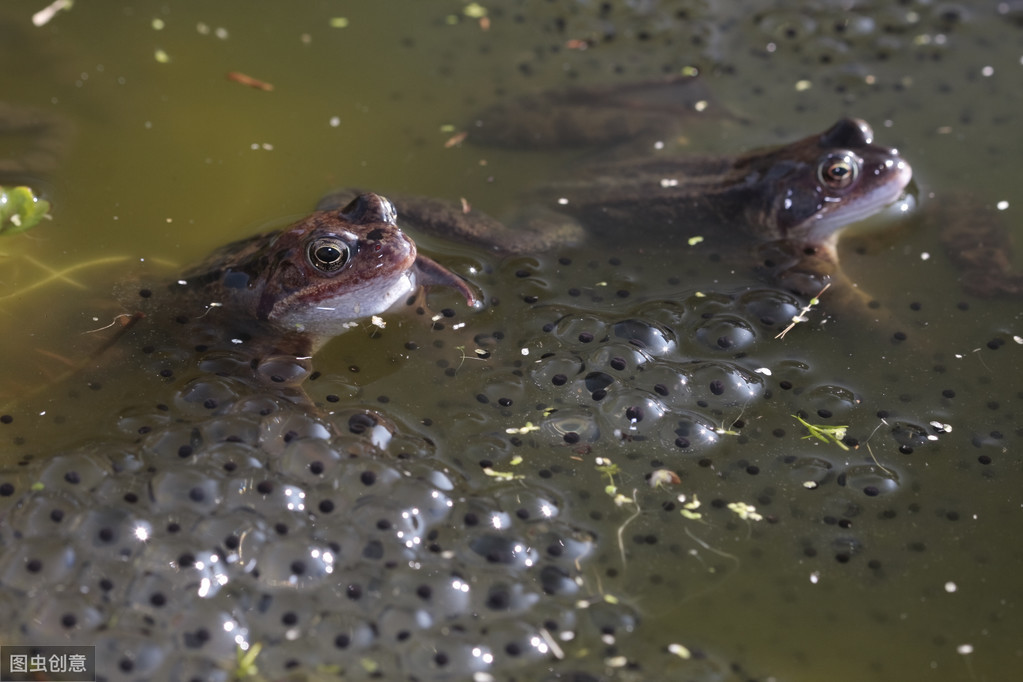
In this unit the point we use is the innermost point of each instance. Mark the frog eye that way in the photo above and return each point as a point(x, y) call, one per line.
point(838, 171)
point(328, 254)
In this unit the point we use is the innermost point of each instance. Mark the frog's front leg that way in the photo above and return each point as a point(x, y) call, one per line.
point(531, 230)
point(814, 272)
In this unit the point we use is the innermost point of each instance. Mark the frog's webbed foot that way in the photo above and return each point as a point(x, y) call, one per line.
point(977, 240)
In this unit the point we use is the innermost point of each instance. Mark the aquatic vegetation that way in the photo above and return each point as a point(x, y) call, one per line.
point(824, 433)
point(20, 210)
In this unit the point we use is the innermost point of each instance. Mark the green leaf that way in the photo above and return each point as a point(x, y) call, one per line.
point(20, 210)
point(824, 433)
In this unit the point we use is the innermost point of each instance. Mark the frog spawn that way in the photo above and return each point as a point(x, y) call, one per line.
point(292, 531)
point(277, 533)
point(844, 515)
point(646, 395)
point(294, 528)
point(835, 516)
point(641, 392)
point(675, 373)
point(680, 384)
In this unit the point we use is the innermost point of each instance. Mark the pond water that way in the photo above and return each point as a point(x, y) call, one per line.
point(471, 498)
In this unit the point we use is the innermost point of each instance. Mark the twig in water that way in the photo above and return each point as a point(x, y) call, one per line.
point(621, 528)
point(801, 316)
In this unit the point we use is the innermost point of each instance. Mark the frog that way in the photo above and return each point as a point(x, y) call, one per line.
point(259, 308)
point(303, 285)
point(788, 204)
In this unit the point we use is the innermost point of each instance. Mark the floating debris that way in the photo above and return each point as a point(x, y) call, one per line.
point(689, 507)
point(661, 478)
point(244, 79)
point(43, 16)
point(746, 512)
point(474, 10)
point(801, 316)
point(455, 140)
point(681, 651)
point(826, 434)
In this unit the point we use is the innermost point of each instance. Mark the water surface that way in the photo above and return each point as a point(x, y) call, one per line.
point(888, 562)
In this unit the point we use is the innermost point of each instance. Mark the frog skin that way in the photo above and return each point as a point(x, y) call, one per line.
point(791, 202)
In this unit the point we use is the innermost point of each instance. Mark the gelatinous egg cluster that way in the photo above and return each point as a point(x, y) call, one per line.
point(338, 543)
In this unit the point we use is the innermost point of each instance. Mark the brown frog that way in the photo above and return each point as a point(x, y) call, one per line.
point(237, 332)
point(232, 335)
point(259, 308)
point(307, 283)
point(791, 202)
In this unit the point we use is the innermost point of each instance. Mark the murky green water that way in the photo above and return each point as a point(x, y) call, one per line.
point(165, 161)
